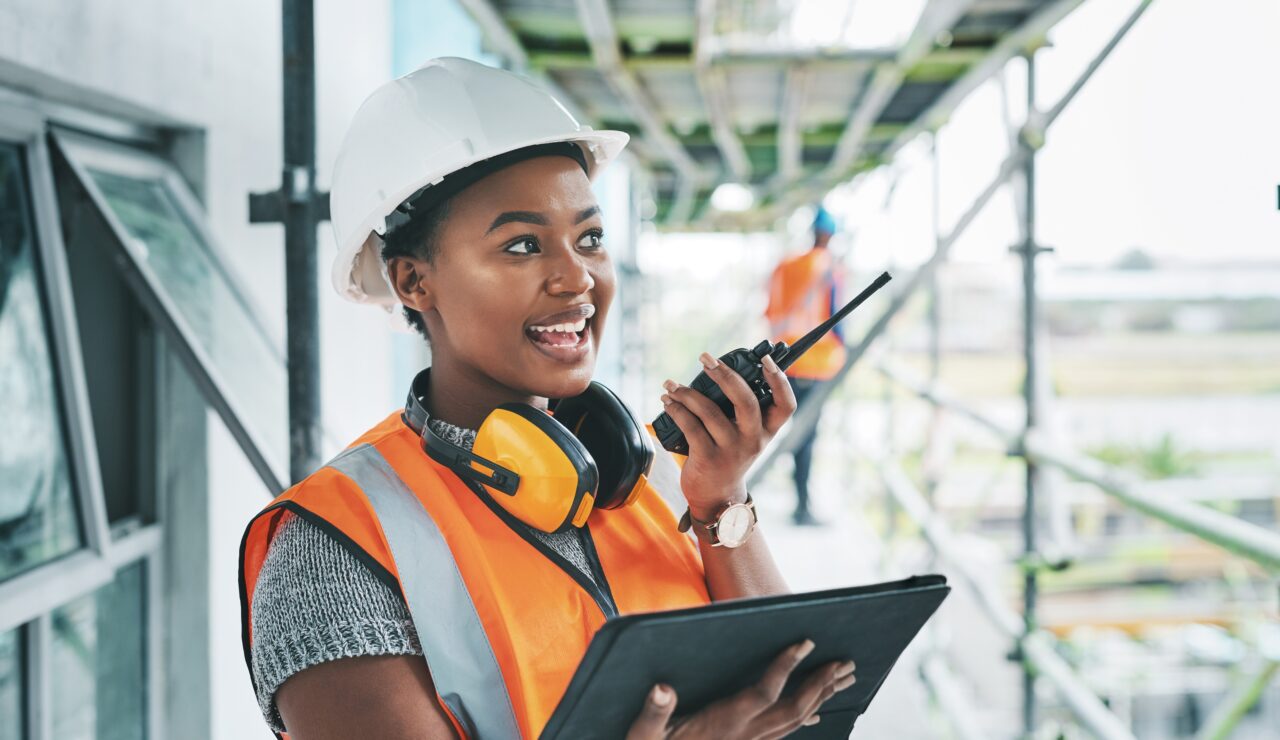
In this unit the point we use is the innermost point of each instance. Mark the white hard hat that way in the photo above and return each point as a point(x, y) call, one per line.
point(415, 130)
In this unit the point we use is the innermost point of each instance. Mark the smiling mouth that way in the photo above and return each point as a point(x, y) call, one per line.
point(562, 342)
point(566, 334)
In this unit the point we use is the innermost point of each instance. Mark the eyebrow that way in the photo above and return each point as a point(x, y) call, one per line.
point(532, 217)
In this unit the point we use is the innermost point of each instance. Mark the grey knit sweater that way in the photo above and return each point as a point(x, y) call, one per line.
point(315, 602)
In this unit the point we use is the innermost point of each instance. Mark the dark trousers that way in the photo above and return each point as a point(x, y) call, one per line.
point(803, 388)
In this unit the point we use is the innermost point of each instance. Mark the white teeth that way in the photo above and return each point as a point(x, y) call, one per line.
point(575, 327)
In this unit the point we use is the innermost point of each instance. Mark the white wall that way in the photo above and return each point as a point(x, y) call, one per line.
point(215, 66)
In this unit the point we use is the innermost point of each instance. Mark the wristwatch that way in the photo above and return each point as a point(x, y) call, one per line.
point(731, 528)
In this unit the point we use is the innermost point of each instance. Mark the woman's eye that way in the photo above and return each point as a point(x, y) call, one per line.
point(522, 246)
point(592, 240)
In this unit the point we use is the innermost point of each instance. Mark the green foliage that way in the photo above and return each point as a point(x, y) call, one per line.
point(1162, 460)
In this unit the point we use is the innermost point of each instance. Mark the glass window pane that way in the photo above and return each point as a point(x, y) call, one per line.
point(12, 707)
point(98, 662)
point(37, 510)
point(163, 239)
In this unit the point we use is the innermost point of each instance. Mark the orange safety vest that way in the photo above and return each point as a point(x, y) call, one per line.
point(801, 296)
point(502, 625)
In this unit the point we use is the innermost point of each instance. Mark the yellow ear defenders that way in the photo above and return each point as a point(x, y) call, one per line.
point(550, 473)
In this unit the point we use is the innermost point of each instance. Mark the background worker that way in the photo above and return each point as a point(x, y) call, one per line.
point(803, 292)
point(462, 197)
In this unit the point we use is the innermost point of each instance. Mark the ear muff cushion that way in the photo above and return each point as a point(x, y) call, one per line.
point(562, 439)
point(618, 442)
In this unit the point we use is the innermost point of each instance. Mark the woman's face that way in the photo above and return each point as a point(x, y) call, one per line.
point(521, 283)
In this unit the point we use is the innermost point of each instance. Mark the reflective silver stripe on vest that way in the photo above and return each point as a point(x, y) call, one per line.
point(462, 663)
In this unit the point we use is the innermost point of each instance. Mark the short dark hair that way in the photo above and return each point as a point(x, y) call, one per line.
point(419, 237)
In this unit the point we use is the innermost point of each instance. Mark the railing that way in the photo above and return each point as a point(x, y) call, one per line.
point(1035, 648)
point(1250, 541)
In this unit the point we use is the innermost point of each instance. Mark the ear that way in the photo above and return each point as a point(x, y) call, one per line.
point(409, 278)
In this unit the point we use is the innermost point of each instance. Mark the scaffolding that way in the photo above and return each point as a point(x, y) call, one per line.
point(1035, 649)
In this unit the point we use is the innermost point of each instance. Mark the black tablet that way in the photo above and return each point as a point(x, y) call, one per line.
point(712, 652)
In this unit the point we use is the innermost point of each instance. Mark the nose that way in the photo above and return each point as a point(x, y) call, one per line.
point(570, 274)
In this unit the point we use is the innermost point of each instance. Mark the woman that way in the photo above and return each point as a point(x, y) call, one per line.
point(462, 193)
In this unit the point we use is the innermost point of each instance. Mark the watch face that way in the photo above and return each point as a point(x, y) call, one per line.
point(734, 525)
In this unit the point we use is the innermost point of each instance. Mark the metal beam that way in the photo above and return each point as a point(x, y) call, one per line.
point(1039, 653)
point(1250, 541)
point(496, 32)
point(714, 88)
point(790, 139)
point(302, 303)
point(597, 23)
point(884, 83)
point(1231, 533)
point(1027, 35)
point(1037, 647)
point(1052, 114)
point(746, 50)
point(678, 61)
point(503, 40)
point(1028, 250)
point(936, 532)
point(938, 16)
point(1222, 723)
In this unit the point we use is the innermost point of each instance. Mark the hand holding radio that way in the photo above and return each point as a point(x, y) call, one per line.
point(738, 402)
point(722, 446)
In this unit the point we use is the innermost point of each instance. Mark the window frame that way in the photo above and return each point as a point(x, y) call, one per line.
point(82, 152)
point(26, 595)
point(28, 600)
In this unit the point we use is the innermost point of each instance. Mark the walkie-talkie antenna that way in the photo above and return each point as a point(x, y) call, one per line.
point(792, 353)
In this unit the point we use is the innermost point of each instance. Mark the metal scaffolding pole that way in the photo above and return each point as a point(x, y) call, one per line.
point(1032, 134)
point(1037, 653)
point(933, 440)
point(1231, 533)
point(301, 290)
point(300, 207)
point(1028, 251)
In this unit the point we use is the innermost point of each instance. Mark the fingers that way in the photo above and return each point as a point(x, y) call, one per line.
point(746, 408)
point(784, 399)
point(764, 694)
point(747, 424)
point(720, 429)
point(651, 723)
point(801, 706)
point(695, 433)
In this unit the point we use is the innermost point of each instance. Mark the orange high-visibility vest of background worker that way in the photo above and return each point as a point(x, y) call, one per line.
point(803, 293)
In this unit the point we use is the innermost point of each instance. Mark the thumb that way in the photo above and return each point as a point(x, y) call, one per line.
point(651, 723)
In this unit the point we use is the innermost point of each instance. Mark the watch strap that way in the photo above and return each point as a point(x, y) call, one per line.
point(687, 520)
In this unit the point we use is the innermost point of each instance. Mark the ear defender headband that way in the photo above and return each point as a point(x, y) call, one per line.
point(550, 473)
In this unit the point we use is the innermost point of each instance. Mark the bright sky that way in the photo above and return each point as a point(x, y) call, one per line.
point(1173, 146)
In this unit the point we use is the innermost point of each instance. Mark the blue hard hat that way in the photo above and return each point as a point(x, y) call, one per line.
point(824, 222)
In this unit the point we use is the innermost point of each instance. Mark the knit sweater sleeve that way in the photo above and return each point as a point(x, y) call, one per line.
point(315, 602)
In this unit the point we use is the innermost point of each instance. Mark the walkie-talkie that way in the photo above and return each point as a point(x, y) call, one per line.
point(747, 363)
